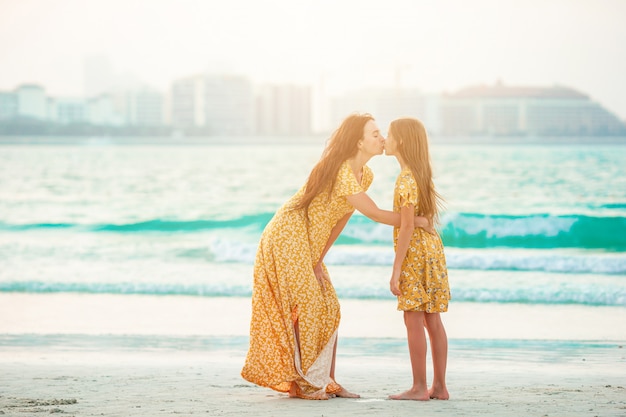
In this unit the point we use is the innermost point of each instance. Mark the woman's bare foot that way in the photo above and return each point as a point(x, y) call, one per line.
point(344, 393)
point(412, 394)
point(439, 393)
point(296, 392)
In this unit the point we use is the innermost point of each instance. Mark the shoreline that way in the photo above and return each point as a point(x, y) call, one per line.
point(68, 313)
point(131, 356)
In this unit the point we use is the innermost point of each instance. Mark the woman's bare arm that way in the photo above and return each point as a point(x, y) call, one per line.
point(334, 234)
point(363, 203)
point(321, 276)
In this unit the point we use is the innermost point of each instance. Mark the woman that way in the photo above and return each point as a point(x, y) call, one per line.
point(295, 310)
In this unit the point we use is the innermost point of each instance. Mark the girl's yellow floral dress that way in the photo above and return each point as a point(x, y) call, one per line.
point(286, 291)
point(424, 278)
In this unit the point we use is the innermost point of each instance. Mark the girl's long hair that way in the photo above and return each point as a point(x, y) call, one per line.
point(342, 145)
point(412, 141)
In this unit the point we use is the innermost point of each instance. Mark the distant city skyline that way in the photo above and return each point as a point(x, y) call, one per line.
point(229, 105)
point(341, 45)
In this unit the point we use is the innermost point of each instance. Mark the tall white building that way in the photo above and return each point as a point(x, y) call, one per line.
point(283, 110)
point(101, 111)
point(32, 101)
point(143, 107)
point(213, 105)
point(187, 108)
point(69, 111)
point(229, 102)
point(8, 105)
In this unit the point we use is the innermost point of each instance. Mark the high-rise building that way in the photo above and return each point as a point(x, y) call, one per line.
point(229, 102)
point(69, 111)
point(283, 110)
point(143, 107)
point(101, 111)
point(213, 104)
point(32, 101)
point(187, 109)
point(8, 105)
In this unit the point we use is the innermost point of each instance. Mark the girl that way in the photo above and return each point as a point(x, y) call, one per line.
point(420, 277)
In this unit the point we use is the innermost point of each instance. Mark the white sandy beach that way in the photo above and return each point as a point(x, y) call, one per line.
point(84, 367)
point(145, 385)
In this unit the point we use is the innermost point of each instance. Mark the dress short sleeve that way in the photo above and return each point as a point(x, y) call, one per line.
point(407, 189)
point(346, 183)
point(368, 177)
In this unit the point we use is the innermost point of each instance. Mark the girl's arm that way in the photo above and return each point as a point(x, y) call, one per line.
point(320, 273)
point(402, 246)
point(363, 203)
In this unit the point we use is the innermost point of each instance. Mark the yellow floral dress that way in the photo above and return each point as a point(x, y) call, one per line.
point(424, 277)
point(286, 291)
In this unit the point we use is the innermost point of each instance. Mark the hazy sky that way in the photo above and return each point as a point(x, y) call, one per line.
point(437, 45)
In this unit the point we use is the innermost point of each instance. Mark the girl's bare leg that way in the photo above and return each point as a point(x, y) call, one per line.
point(344, 393)
point(414, 321)
point(439, 352)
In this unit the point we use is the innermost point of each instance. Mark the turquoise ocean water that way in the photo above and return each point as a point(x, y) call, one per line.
point(524, 223)
point(530, 224)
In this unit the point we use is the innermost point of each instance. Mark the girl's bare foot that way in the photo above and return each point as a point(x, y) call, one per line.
point(412, 394)
point(438, 393)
